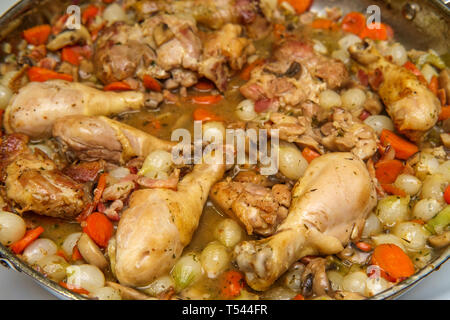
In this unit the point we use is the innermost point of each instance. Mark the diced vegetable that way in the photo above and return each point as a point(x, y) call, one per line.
point(393, 190)
point(440, 222)
point(431, 58)
point(354, 22)
point(117, 86)
point(299, 6)
point(201, 114)
point(445, 113)
point(411, 67)
point(325, 24)
point(403, 148)
point(434, 85)
point(212, 99)
point(245, 74)
point(298, 297)
point(447, 194)
point(204, 85)
point(393, 261)
point(387, 171)
point(375, 32)
point(309, 154)
point(151, 83)
point(37, 35)
point(31, 235)
point(71, 55)
point(99, 228)
point(232, 284)
point(89, 14)
point(42, 75)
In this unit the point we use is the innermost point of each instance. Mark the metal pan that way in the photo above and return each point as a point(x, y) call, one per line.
point(420, 24)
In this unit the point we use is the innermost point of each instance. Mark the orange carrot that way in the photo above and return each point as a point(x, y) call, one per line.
point(364, 246)
point(310, 154)
point(101, 185)
point(298, 297)
point(232, 283)
point(207, 99)
point(73, 289)
point(434, 85)
point(31, 235)
point(387, 171)
point(393, 261)
point(201, 114)
point(442, 96)
point(279, 31)
point(447, 194)
point(412, 67)
point(354, 22)
point(37, 35)
point(325, 24)
point(204, 85)
point(76, 255)
point(391, 189)
point(99, 228)
point(151, 83)
point(419, 221)
point(403, 148)
point(377, 32)
point(71, 55)
point(61, 254)
point(42, 74)
point(445, 113)
point(299, 6)
point(89, 13)
point(117, 86)
point(245, 74)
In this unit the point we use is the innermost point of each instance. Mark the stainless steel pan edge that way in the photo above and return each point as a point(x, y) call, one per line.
point(429, 28)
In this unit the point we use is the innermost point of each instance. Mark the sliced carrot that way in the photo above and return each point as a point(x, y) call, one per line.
point(403, 148)
point(379, 31)
point(298, 297)
point(151, 83)
point(310, 154)
point(232, 284)
point(325, 24)
point(73, 289)
point(60, 24)
point(299, 6)
point(37, 35)
point(99, 228)
point(42, 74)
point(419, 221)
point(388, 170)
point(354, 22)
point(76, 255)
point(393, 260)
point(101, 185)
point(393, 190)
point(201, 114)
point(212, 99)
point(71, 55)
point(447, 194)
point(245, 74)
point(31, 235)
point(434, 85)
point(364, 246)
point(117, 86)
point(89, 13)
point(412, 67)
point(61, 254)
point(445, 113)
point(204, 85)
point(279, 31)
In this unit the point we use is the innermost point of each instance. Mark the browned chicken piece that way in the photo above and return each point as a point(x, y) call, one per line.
point(346, 133)
point(34, 183)
point(330, 70)
point(93, 138)
point(223, 48)
point(159, 223)
point(260, 206)
point(413, 108)
point(119, 52)
point(34, 109)
point(329, 207)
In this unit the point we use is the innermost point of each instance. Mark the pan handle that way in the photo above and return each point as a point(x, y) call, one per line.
point(7, 264)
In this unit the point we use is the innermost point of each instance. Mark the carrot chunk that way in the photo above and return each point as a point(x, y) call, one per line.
point(73, 289)
point(299, 6)
point(387, 171)
point(391, 189)
point(151, 83)
point(42, 75)
point(379, 31)
point(393, 261)
point(447, 194)
point(201, 114)
point(71, 55)
point(298, 297)
point(310, 154)
point(403, 148)
point(232, 284)
point(245, 74)
point(37, 35)
point(212, 99)
point(117, 86)
point(99, 228)
point(354, 22)
point(445, 113)
point(31, 235)
point(325, 24)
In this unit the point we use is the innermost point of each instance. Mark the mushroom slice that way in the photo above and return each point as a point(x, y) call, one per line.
point(91, 252)
point(70, 37)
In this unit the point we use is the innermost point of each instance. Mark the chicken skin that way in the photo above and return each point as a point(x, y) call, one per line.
point(39, 104)
point(413, 108)
point(159, 223)
point(329, 206)
point(93, 138)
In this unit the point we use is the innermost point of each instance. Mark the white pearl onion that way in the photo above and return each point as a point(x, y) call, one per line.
point(336, 279)
point(408, 183)
point(426, 209)
point(372, 226)
point(246, 110)
point(228, 232)
point(341, 55)
point(353, 99)
point(379, 122)
point(69, 243)
point(215, 259)
point(398, 54)
point(38, 249)
point(428, 72)
point(12, 227)
point(160, 285)
point(388, 238)
point(375, 285)
point(292, 164)
point(5, 96)
point(392, 209)
point(355, 282)
point(157, 164)
point(348, 40)
point(105, 293)
point(85, 276)
point(114, 13)
point(54, 267)
point(413, 235)
point(213, 132)
point(433, 187)
point(329, 99)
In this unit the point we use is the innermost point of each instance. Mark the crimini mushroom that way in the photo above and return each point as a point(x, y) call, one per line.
point(91, 252)
point(70, 37)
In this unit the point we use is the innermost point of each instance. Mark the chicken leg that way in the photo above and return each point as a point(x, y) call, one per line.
point(98, 137)
point(37, 105)
point(411, 105)
point(159, 223)
point(329, 206)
